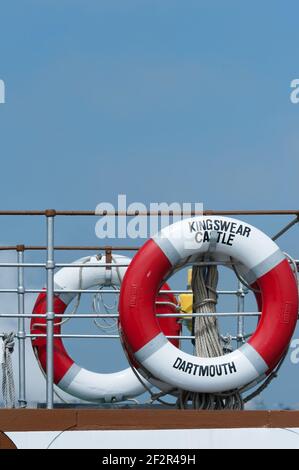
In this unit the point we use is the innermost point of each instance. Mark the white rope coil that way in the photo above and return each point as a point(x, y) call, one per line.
point(206, 332)
point(208, 342)
point(8, 385)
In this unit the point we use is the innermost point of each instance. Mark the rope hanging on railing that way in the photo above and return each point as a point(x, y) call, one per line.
point(208, 342)
point(207, 339)
point(8, 385)
point(98, 300)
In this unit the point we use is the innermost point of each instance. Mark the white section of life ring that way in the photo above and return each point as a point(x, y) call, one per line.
point(76, 380)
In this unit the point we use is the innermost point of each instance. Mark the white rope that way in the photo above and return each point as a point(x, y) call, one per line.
point(207, 339)
point(98, 300)
point(8, 385)
point(208, 342)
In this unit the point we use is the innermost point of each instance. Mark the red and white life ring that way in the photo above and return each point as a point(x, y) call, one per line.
point(69, 376)
point(261, 262)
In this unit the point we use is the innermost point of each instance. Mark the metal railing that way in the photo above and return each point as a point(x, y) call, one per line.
point(49, 265)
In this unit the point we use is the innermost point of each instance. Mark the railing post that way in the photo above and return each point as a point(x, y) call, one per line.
point(21, 328)
point(240, 318)
point(50, 266)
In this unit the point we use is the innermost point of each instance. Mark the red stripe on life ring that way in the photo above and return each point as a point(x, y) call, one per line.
point(169, 325)
point(62, 361)
point(139, 290)
point(279, 313)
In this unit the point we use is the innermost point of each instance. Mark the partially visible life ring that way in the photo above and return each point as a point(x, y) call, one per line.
point(262, 264)
point(68, 375)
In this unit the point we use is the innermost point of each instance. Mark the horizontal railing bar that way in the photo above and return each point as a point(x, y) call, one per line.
point(116, 315)
point(28, 336)
point(64, 265)
point(41, 335)
point(91, 265)
point(147, 213)
point(121, 265)
point(105, 265)
point(23, 265)
point(179, 213)
point(9, 291)
point(69, 248)
point(105, 291)
point(32, 212)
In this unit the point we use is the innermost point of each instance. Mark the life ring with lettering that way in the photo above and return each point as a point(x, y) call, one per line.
point(69, 376)
point(262, 264)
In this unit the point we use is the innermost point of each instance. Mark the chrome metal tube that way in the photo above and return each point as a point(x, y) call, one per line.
point(21, 332)
point(50, 266)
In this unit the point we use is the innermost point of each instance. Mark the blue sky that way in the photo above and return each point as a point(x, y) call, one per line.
point(161, 101)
